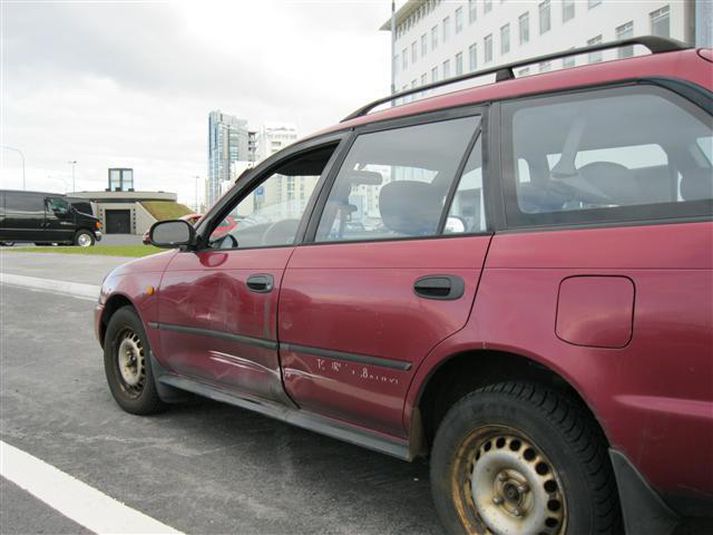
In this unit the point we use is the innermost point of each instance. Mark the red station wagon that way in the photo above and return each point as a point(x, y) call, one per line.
point(514, 279)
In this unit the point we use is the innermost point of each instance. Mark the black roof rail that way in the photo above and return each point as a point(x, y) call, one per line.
point(656, 45)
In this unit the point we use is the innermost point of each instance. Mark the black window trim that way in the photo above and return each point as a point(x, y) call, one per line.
point(247, 183)
point(481, 110)
point(647, 214)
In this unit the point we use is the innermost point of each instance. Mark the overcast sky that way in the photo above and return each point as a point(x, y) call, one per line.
point(130, 84)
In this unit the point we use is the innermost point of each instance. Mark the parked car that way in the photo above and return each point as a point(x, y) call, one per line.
point(45, 218)
point(529, 302)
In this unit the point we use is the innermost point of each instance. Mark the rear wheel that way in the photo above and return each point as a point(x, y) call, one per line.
point(517, 458)
point(127, 364)
point(84, 238)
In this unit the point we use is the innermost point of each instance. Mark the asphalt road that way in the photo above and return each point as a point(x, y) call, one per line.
point(201, 467)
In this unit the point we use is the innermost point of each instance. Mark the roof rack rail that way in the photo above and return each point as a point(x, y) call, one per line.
point(656, 45)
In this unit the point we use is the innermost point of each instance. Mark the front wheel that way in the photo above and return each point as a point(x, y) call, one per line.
point(517, 458)
point(84, 238)
point(127, 364)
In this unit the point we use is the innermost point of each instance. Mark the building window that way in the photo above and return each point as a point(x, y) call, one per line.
point(424, 45)
point(459, 63)
point(523, 72)
point(660, 22)
point(569, 62)
point(625, 31)
point(459, 19)
point(593, 3)
point(414, 52)
point(424, 79)
point(505, 39)
point(472, 11)
point(524, 25)
point(434, 74)
point(434, 37)
point(488, 46)
point(404, 59)
point(595, 57)
point(473, 57)
point(446, 69)
point(567, 10)
point(545, 22)
point(545, 66)
point(487, 6)
point(446, 24)
point(396, 63)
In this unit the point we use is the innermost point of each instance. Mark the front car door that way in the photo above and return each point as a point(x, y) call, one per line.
point(218, 305)
point(60, 223)
point(389, 271)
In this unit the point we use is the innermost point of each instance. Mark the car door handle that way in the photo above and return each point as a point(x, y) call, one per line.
point(260, 283)
point(444, 287)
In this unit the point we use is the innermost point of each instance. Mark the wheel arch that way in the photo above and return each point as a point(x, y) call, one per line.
point(466, 370)
point(114, 303)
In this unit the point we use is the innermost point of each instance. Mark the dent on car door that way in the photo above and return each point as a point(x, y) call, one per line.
point(606, 270)
point(218, 305)
point(383, 283)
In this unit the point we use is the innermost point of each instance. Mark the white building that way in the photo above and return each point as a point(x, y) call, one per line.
point(438, 39)
point(274, 137)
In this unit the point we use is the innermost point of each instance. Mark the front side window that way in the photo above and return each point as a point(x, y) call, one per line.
point(394, 183)
point(270, 214)
point(605, 157)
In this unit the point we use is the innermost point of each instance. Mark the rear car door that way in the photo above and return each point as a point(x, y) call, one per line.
point(605, 265)
point(396, 248)
point(218, 305)
point(24, 216)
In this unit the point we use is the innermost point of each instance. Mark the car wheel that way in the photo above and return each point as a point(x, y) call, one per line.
point(127, 364)
point(518, 458)
point(84, 238)
point(7, 243)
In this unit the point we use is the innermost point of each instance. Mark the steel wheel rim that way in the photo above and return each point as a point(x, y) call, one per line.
point(84, 240)
point(131, 363)
point(502, 482)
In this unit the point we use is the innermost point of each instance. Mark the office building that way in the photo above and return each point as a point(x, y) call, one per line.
point(229, 141)
point(436, 39)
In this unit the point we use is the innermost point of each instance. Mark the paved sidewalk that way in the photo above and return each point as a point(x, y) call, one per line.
point(85, 269)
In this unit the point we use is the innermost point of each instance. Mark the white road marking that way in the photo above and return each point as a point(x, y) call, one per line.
point(77, 501)
point(75, 289)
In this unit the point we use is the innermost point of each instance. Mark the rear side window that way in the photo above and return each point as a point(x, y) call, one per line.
point(24, 202)
point(605, 156)
point(394, 183)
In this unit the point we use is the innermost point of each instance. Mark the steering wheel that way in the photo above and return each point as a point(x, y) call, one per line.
point(228, 242)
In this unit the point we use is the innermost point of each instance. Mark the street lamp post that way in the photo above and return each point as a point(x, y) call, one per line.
point(24, 183)
point(73, 163)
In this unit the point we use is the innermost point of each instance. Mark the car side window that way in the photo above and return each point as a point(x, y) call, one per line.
point(57, 206)
point(607, 155)
point(467, 211)
point(270, 214)
point(394, 183)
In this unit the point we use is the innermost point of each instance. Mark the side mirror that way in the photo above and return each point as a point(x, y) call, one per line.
point(171, 234)
point(454, 225)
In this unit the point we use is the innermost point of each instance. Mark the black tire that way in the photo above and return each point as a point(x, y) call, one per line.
point(503, 431)
point(137, 398)
point(84, 238)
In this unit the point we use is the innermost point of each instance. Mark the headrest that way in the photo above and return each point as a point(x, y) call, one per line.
point(609, 181)
point(697, 184)
point(410, 207)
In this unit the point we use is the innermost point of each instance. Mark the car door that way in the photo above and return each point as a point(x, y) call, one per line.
point(24, 216)
point(389, 272)
point(217, 307)
point(609, 238)
point(59, 220)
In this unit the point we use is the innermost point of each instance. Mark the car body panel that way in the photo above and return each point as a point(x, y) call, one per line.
point(359, 299)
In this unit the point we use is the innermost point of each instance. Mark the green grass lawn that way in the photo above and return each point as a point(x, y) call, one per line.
point(163, 210)
point(103, 250)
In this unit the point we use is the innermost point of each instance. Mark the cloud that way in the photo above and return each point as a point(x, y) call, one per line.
point(131, 84)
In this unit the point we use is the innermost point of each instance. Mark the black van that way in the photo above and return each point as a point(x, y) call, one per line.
point(44, 218)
